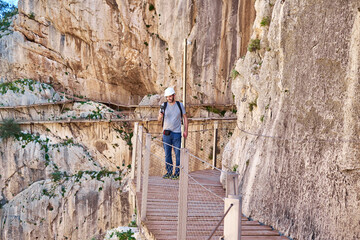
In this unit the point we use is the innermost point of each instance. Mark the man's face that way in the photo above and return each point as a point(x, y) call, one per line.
point(170, 98)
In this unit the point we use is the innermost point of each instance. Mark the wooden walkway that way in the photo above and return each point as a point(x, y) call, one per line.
point(204, 210)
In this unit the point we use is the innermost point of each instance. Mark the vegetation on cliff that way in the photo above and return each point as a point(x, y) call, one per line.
point(9, 128)
point(21, 85)
point(7, 11)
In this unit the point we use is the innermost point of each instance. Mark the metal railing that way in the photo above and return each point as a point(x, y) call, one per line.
point(198, 203)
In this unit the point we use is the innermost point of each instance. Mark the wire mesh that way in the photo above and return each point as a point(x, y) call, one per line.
point(162, 198)
point(201, 142)
point(205, 193)
point(205, 203)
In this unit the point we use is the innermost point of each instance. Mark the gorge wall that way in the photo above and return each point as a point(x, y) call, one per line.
point(128, 49)
point(60, 180)
point(298, 124)
point(68, 180)
point(296, 92)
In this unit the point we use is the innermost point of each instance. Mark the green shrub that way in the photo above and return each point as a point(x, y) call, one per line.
point(234, 74)
point(124, 235)
point(32, 15)
point(151, 7)
point(215, 110)
point(265, 21)
point(125, 133)
point(252, 105)
point(235, 167)
point(57, 176)
point(7, 11)
point(9, 128)
point(254, 45)
point(21, 85)
point(133, 224)
point(96, 114)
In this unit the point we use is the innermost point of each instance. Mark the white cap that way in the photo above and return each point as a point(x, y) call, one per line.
point(169, 91)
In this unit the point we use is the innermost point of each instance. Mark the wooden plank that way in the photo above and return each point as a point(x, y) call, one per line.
point(259, 233)
point(172, 225)
point(203, 215)
point(193, 219)
point(218, 235)
point(264, 238)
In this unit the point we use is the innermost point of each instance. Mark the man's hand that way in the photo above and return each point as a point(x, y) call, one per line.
point(161, 115)
point(185, 134)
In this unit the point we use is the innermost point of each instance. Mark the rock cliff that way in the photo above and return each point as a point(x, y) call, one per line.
point(60, 180)
point(297, 138)
point(295, 86)
point(111, 51)
point(128, 48)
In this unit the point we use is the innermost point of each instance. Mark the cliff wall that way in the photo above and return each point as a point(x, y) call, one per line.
point(128, 49)
point(297, 138)
point(106, 50)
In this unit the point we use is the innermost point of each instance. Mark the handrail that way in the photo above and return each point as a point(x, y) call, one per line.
point(79, 120)
point(157, 161)
point(227, 211)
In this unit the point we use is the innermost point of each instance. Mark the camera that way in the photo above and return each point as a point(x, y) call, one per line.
point(162, 109)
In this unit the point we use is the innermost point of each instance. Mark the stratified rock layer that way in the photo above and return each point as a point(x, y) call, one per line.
point(121, 50)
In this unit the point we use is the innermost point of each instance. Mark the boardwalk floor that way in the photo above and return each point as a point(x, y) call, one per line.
point(205, 209)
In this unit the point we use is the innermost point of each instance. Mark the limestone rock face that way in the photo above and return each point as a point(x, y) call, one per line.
point(298, 105)
point(61, 179)
point(57, 189)
point(68, 209)
point(122, 50)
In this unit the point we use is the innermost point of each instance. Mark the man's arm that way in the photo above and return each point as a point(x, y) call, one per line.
point(185, 126)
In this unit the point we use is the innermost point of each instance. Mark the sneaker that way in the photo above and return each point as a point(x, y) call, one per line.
point(166, 176)
point(175, 177)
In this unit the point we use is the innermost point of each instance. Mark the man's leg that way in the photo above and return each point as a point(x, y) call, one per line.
point(167, 147)
point(177, 145)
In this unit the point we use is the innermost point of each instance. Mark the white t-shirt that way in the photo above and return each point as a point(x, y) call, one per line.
point(172, 120)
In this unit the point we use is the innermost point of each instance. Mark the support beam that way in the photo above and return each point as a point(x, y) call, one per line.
point(139, 159)
point(183, 140)
point(232, 221)
point(183, 194)
point(146, 177)
point(232, 184)
point(134, 150)
point(215, 143)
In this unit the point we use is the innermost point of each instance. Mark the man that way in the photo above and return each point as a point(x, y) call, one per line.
point(171, 114)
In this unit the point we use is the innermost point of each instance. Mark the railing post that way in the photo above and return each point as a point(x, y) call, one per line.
point(232, 221)
point(215, 144)
point(231, 184)
point(146, 177)
point(134, 151)
point(183, 194)
point(139, 159)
